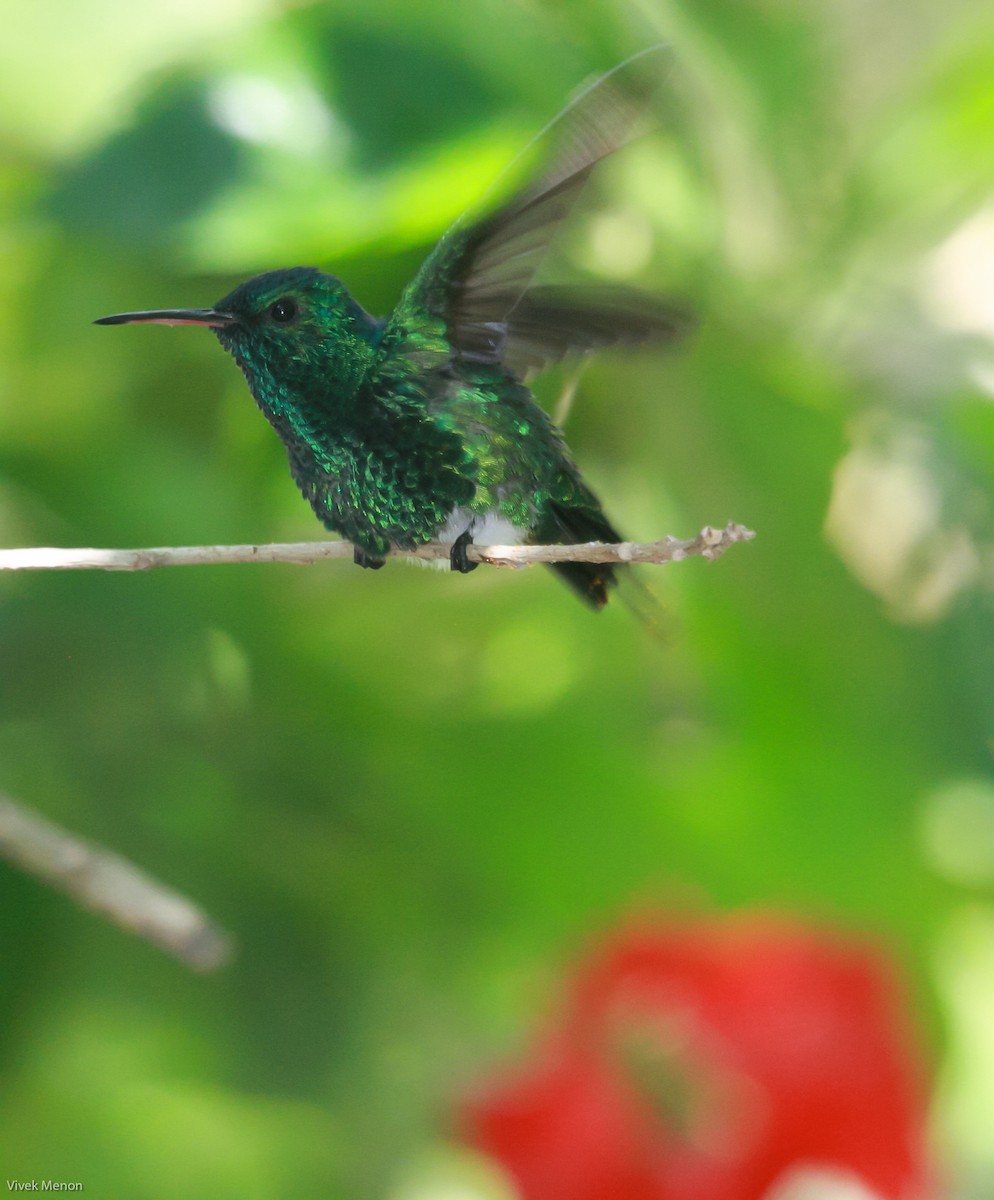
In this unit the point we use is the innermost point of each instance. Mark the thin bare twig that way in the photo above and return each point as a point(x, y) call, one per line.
point(102, 881)
point(709, 543)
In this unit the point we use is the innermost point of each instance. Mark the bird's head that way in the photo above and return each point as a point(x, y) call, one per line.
point(287, 329)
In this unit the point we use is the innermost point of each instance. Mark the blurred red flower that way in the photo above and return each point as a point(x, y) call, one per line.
point(708, 1060)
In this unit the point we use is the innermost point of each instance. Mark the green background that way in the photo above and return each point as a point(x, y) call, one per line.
point(413, 797)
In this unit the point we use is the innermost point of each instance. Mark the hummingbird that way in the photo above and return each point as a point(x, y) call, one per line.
point(421, 426)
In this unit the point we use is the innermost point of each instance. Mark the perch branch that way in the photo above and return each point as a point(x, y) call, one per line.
point(111, 886)
point(709, 543)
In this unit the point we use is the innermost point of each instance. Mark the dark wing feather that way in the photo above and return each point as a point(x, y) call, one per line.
point(548, 323)
point(477, 281)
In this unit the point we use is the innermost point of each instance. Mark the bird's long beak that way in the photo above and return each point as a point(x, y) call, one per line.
point(171, 316)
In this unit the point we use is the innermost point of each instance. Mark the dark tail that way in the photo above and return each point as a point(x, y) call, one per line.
point(591, 581)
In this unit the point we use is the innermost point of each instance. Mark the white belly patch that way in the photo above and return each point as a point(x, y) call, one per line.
point(490, 529)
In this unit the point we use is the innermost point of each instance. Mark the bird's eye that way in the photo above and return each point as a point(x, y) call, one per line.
point(283, 311)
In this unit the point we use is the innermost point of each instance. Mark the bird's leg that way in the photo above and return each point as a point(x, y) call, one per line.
point(362, 559)
point(458, 559)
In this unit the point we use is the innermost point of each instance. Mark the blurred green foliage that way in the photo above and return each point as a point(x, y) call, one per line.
point(411, 796)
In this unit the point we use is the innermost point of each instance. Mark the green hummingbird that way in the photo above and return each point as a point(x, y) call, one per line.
point(421, 427)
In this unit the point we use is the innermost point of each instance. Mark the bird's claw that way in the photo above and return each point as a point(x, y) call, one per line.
point(458, 559)
point(362, 559)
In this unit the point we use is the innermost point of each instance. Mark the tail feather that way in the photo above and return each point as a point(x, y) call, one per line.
point(592, 582)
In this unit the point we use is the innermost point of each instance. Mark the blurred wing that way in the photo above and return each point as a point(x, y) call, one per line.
point(548, 323)
point(472, 297)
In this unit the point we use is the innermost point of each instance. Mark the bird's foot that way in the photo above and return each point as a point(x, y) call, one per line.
point(362, 559)
point(458, 559)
